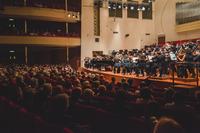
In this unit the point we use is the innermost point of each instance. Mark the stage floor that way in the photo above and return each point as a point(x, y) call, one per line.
point(160, 81)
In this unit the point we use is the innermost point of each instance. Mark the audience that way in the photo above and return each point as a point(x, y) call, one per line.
point(65, 97)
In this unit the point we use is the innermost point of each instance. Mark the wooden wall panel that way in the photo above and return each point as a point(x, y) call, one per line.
point(188, 27)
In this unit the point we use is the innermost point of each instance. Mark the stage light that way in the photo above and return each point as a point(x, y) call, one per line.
point(11, 19)
point(11, 51)
point(132, 7)
point(143, 8)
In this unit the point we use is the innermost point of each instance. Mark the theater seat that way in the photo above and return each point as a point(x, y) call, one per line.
point(15, 119)
point(106, 122)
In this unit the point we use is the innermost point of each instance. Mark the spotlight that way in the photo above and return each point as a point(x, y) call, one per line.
point(69, 15)
point(11, 19)
point(11, 51)
point(132, 7)
point(119, 6)
point(143, 8)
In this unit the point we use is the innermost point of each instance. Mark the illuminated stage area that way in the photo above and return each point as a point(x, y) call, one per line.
point(159, 82)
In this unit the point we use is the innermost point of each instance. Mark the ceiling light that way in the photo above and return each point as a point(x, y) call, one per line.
point(11, 19)
point(132, 7)
point(11, 51)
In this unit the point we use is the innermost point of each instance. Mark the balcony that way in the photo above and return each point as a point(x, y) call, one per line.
point(47, 14)
point(40, 40)
point(34, 32)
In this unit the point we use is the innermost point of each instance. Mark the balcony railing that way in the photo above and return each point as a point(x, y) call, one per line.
point(29, 3)
point(40, 41)
point(41, 14)
point(41, 4)
point(44, 34)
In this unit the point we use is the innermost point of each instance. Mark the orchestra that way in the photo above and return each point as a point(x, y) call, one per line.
point(151, 61)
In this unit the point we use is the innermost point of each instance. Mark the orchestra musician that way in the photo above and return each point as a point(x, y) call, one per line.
point(151, 59)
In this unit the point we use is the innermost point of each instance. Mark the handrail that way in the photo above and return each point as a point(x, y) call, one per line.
point(39, 35)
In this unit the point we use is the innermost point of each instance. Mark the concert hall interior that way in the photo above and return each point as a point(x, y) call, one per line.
point(99, 66)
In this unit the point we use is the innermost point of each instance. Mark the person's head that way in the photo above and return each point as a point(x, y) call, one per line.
point(113, 79)
point(76, 93)
point(101, 77)
point(86, 84)
point(88, 92)
point(123, 80)
point(77, 83)
point(109, 87)
point(33, 82)
point(59, 103)
point(121, 95)
point(41, 81)
point(130, 81)
point(102, 90)
point(168, 125)
point(47, 89)
point(125, 86)
point(146, 93)
point(142, 84)
point(96, 84)
point(58, 89)
point(169, 94)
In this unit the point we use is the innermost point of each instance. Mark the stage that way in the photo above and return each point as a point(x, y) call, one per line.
point(160, 82)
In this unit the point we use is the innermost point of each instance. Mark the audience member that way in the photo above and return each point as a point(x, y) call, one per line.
point(168, 125)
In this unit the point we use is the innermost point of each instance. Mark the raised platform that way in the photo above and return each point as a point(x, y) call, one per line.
point(160, 82)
